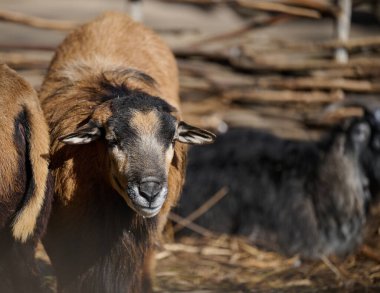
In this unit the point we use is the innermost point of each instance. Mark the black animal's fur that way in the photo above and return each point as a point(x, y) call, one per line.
point(280, 195)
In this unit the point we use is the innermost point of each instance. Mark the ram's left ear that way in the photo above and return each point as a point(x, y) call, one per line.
point(193, 135)
point(83, 135)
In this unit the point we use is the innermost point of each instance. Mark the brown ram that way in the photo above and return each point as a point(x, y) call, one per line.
point(25, 194)
point(111, 99)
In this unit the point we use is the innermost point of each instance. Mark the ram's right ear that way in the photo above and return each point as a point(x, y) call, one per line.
point(83, 135)
point(193, 135)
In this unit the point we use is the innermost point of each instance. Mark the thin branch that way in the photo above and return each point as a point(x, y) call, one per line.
point(247, 27)
point(202, 209)
point(303, 8)
point(332, 267)
point(278, 7)
point(25, 61)
point(36, 22)
point(283, 96)
point(350, 44)
point(192, 226)
point(27, 47)
point(370, 253)
point(320, 5)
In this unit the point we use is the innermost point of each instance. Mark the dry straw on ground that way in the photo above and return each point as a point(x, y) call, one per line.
point(223, 263)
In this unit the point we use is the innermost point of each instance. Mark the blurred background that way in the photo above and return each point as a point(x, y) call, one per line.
point(271, 65)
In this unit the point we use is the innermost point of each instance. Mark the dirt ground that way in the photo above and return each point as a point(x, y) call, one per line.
point(220, 264)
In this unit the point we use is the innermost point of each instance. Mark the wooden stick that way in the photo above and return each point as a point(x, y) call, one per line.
point(352, 85)
point(238, 59)
point(22, 61)
point(370, 253)
point(208, 82)
point(202, 209)
point(192, 226)
point(247, 64)
point(320, 5)
point(343, 29)
point(303, 8)
point(37, 22)
point(332, 267)
point(372, 42)
point(350, 44)
point(285, 96)
point(278, 7)
point(250, 25)
point(347, 73)
point(26, 47)
point(199, 2)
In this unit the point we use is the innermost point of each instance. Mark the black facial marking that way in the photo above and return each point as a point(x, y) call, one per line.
point(112, 89)
point(137, 100)
point(167, 129)
point(123, 109)
point(22, 137)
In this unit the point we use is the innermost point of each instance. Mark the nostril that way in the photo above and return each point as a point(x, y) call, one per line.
point(149, 189)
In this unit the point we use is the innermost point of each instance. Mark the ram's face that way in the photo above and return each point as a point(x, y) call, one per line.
point(371, 160)
point(141, 150)
point(140, 134)
point(365, 136)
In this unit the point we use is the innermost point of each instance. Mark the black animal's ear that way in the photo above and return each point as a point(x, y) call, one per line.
point(84, 134)
point(193, 135)
point(360, 133)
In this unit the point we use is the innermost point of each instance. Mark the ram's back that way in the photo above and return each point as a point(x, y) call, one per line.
point(99, 52)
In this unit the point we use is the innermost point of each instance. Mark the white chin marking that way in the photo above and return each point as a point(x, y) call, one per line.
point(149, 213)
point(144, 212)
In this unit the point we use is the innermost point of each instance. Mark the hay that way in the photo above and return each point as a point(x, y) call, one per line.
point(231, 264)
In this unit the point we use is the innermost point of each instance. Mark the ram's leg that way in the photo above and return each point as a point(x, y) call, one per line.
point(18, 268)
point(19, 272)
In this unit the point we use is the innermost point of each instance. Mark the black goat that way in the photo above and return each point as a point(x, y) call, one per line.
point(306, 197)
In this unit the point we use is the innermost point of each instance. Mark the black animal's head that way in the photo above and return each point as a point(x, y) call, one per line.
point(364, 135)
point(140, 132)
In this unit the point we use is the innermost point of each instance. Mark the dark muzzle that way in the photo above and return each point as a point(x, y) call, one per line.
point(149, 188)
